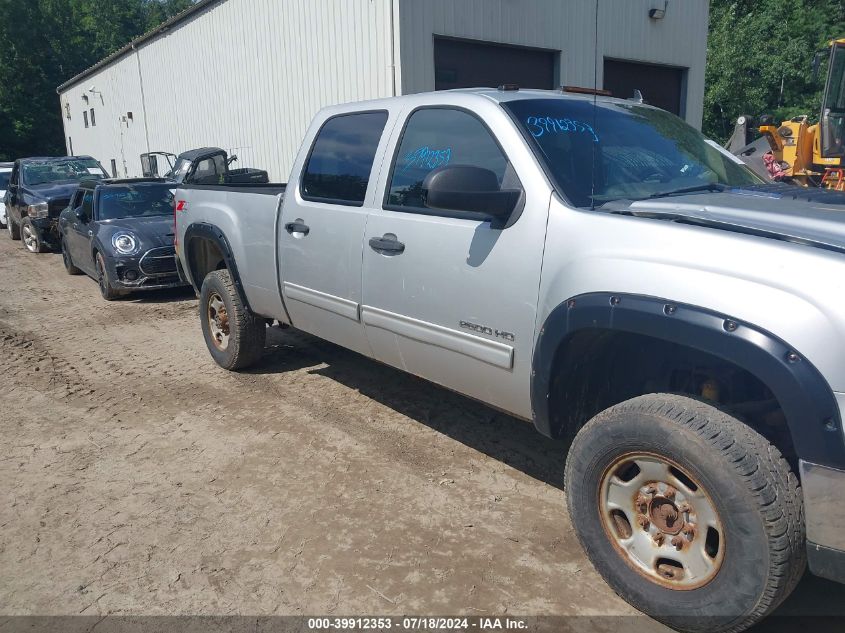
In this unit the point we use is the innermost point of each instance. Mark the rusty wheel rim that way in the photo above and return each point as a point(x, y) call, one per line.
point(661, 521)
point(218, 321)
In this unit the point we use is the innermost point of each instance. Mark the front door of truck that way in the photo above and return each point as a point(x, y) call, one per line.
point(322, 229)
point(449, 295)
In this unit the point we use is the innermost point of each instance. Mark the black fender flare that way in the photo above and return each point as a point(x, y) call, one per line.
point(203, 230)
point(808, 402)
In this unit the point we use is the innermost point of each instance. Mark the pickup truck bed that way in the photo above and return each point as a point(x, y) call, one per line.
point(248, 222)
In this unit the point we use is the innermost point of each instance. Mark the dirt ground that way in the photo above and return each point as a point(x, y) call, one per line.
point(139, 478)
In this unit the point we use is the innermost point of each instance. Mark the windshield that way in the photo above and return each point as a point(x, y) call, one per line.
point(4, 180)
point(135, 201)
point(833, 109)
point(637, 151)
point(61, 170)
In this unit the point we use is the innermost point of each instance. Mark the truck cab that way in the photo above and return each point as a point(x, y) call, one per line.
point(211, 166)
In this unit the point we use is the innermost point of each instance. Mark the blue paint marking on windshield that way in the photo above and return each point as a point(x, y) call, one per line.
point(542, 125)
point(427, 158)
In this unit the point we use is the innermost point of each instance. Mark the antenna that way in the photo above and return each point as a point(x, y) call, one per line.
point(595, 110)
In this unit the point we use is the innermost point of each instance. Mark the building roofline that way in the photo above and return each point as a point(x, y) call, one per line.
point(164, 27)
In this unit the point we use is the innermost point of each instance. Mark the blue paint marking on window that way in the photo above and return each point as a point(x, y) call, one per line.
point(427, 158)
point(541, 125)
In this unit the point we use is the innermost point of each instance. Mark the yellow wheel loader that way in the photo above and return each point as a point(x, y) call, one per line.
point(797, 151)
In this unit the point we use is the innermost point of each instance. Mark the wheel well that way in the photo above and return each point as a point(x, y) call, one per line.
point(204, 256)
point(597, 368)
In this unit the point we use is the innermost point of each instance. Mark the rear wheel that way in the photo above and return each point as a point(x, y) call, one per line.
point(31, 239)
point(234, 335)
point(688, 514)
point(106, 290)
point(68, 260)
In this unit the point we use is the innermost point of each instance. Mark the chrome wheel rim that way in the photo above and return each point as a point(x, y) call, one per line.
point(218, 321)
point(661, 521)
point(29, 239)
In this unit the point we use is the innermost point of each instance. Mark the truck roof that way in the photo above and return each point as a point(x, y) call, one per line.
point(107, 182)
point(192, 154)
point(470, 96)
point(47, 159)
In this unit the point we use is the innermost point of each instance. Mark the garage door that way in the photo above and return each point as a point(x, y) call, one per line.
point(661, 85)
point(469, 64)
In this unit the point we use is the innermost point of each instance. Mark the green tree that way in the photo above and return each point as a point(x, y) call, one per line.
point(759, 58)
point(46, 42)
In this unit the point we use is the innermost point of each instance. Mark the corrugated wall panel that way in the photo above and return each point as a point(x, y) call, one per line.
point(625, 32)
point(248, 75)
point(245, 75)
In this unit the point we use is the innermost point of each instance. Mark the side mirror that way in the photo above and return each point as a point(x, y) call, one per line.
point(469, 188)
point(80, 214)
point(232, 159)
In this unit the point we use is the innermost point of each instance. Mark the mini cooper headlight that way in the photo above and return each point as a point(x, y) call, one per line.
point(124, 243)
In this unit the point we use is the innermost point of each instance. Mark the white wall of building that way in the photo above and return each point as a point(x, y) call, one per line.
point(245, 75)
point(248, 75)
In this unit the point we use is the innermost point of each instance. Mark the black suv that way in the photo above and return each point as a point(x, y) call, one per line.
point(39, 188)
point(120, 232)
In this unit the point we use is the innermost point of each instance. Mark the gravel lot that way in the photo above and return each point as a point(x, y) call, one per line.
point(138, 478)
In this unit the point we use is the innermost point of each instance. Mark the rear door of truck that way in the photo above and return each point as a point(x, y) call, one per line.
point(323, 224)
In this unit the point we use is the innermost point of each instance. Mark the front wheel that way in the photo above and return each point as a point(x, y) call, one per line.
point(12, 228)
point(31, 239)
point(106, 290)
point(688, 514)
point(234, 335)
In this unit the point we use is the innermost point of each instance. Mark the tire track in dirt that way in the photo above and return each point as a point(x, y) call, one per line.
point(144, 479)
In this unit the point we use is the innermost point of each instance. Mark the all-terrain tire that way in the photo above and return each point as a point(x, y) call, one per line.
point(755, 494)
point(68, 260)
point(239, 338)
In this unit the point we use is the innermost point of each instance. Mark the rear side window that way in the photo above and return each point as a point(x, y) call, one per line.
point(437, 137)
point(341, 159)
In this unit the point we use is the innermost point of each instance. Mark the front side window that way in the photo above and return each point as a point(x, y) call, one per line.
point(439, 137)
point(341, 159)
point(76, 201)
point(62, 170)
point(4, 180)
point(613, 150)
point(128, 201)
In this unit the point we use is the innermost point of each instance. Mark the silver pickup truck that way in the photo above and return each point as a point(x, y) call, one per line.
point(594, 266)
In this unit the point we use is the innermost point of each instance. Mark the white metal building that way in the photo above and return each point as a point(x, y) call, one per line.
point(248, 75)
